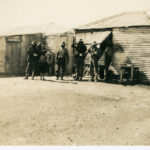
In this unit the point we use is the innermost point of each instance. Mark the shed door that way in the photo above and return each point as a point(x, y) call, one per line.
point(69, 41)
point(13, 58)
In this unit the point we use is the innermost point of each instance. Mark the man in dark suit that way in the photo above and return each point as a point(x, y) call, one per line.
point(62, 58)
point(32, 59)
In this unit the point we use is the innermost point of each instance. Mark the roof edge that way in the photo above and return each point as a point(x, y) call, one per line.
point(104, 19)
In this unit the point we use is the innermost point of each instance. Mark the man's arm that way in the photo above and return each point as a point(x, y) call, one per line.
point(105, 51)
point(98, 52)
point(28, 50)
point(57, 55)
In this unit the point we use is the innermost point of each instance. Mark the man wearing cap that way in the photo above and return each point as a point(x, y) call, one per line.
point(32, 59)
point(80, 55)
point(95, 56)
point(108, 53)
point(62, 58)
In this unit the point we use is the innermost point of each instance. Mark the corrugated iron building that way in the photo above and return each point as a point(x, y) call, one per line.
point(14, 45)
point(130, 34)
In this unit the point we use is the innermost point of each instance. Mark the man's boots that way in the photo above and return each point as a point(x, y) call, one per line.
point(95, 78)
point(80, 78)
point(26, 78)
point(62, 76)
point(32, 75)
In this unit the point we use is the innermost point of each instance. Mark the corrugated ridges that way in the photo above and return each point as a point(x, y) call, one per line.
point(126, 19)
point(135, 42)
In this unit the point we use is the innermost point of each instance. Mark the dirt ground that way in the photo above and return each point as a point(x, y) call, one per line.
point(34, 112)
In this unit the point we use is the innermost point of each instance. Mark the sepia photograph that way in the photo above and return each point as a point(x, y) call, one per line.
point(74, 73)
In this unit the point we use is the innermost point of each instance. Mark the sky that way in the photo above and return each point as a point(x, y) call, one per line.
point(67, 13)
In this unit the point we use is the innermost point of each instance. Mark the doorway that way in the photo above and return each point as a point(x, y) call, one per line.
point(13, 58)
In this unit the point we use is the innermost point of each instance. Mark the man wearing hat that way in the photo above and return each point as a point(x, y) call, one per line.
point(74, 69)
point(80, 55)
point(108, 53)
point(95, 56)
point(62, 58)
point(32, 59)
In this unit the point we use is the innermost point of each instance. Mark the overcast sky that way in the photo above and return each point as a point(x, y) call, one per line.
point(68, 13)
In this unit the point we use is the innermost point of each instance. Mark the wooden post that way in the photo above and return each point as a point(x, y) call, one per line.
point(132, 73)
point(121, 75)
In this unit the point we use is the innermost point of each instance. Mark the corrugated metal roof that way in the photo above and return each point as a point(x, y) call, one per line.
point(126, 19)
point(48, 29)
point(99, 37)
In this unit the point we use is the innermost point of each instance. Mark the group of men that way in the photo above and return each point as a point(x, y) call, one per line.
point(80, 54)
point(38, 59)
point(62, 59)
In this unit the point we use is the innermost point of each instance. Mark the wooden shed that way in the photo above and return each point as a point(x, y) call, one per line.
point(130, 35)
point(14, 45)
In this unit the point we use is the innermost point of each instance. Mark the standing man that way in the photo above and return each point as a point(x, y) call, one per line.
point(81, 54)
point(95, 56)
point(32, 59)
point(108, 53)
point(62, 58)
point(74, 69)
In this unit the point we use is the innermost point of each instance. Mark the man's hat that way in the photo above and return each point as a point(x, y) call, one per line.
point(94, 43)
point(33, 43)
point(63, 43)
point(39, 44)
point(48, 52)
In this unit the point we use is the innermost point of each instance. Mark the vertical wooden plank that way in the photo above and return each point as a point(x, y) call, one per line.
point(2, 54)
point(15, 50)
point(8, 59)
point(132, 73)
point(121, 76)
point(23, 59)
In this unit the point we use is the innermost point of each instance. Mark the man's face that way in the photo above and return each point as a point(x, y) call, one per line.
point(63, 46)
point(75, 45)
point(94, 46)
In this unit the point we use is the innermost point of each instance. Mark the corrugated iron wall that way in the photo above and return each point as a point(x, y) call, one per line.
point(2, 54)
point(49, 43)
point(132, 45)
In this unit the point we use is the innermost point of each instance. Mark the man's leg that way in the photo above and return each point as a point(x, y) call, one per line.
point(57, 71)
point(33, 69)
point(40, 75)
point(81, 68)
point(27, 70)
point(96, 69)
point(63, 69)
point(92, 70)
point(77, 68)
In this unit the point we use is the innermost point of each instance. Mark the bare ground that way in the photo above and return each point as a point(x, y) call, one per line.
point(34, 112)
